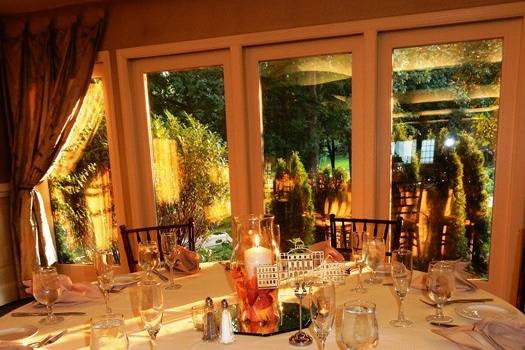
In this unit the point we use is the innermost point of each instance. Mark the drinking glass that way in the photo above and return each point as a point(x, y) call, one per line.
point(322, 309)
point(151, 306)
point(148, 257)
point(46, 290)
point(359, 256)
point(104, 262)
point(359, 325)
point(108, 333)
point(402, 276)
point(171, 252)
point(375, 255)
point(441, 283)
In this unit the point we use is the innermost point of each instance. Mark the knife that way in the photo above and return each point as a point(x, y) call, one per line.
point(28, 314)
point(161, 276)
point(56, 337)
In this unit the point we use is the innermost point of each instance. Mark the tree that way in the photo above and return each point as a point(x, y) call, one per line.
point(295, 214)
point(201, 157)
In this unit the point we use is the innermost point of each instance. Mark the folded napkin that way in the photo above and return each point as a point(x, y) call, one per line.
point(188, 261)
point(487, 334)
point(71, 292)
point(419, 281)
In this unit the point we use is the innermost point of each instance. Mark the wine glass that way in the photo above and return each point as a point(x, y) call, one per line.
point(402, 276)
point(108, 331)
point(104, 262)
point(148, 257)
point(171, 252)
point(46, 290)
point(359, 256)
point(322, 309)
point(441, 283)
point(151, 306)
point(375, 255)
point(359, 325)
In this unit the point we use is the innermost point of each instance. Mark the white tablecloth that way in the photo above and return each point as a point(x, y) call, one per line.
point(177, 331)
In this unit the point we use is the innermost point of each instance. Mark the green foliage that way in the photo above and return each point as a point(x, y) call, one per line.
point(68, 195)
point(330, 186)
point(475, 181)
point(197, 92)
point(295, 215)
point(219, 252)
point(201, 152)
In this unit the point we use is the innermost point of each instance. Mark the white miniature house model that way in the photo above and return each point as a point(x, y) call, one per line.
point(299, 261)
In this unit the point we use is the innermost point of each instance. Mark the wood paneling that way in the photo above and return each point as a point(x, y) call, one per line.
point(8, 287)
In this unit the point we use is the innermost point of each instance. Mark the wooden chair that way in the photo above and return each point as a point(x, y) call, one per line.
point(131, 237)
point(345, 230)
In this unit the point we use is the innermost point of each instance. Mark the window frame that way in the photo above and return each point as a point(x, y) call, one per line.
point(503, 248)
point(371, 30)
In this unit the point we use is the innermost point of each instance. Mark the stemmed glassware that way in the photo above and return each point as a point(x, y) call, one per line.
point(322, 309)
point(149, 258)
point(359, 256)
point(441, 283)
point(151, 306)
point(104, 261)
point(402, 276)
point(375, 255)
point(359, 325)
point(46, 290)
point(171, 252)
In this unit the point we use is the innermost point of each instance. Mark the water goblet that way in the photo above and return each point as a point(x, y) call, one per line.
point(171, 252)
point(402, 276)
point(46, 290)
point(440, 286)
point(108, 332)
point(148, 257)
point(151, 306)
point(322, 309)
point(375, 255)
point(103, 262)
point(359, 328)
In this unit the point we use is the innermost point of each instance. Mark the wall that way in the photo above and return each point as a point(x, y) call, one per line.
point(8, 286)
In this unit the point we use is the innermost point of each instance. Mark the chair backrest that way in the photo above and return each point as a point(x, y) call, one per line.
point(131, 237)
point(344, 231)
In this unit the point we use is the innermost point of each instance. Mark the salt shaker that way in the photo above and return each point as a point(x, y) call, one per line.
point(210, 326)
point(227, 336)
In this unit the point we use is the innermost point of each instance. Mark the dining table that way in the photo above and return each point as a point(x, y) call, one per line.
point(213, 280)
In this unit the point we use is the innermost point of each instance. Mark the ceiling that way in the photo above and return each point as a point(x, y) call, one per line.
point(21, 6)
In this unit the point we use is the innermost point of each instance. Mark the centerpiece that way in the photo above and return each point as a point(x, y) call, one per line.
point(255, 246)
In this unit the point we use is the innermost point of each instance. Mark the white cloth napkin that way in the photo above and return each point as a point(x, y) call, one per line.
point(488, 334)
point(71, 292)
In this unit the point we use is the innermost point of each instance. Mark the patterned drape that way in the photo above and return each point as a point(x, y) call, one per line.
point(45, 70)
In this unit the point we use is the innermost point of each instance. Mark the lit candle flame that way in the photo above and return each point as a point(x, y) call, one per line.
point(256, 239)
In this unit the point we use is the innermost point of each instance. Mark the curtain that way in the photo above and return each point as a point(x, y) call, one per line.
point(45, 70)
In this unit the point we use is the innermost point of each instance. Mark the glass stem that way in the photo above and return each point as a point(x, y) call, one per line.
point(323, 341)
point(359, 276)
point(439, 311)
point(106, 300)
point(49, 309)
point(401, 313)
point(172, 282)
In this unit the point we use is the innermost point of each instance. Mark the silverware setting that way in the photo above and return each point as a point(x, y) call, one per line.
point(445, 325)
point(458, 301)
point(50, 339)
point(160, 275)
point(30, 314)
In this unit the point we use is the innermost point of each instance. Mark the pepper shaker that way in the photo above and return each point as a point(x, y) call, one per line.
point(210, 326)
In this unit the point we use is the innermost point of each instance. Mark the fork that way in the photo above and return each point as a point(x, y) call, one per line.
point(40, 343)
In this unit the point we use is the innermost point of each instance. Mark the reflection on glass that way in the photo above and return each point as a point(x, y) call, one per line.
point(445, 106)
point(306, 104)
point(189, 154)
point(80, 185)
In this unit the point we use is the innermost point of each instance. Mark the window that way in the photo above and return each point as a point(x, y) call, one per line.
point(80, 185)
point(189, 149)
point(427, 151)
